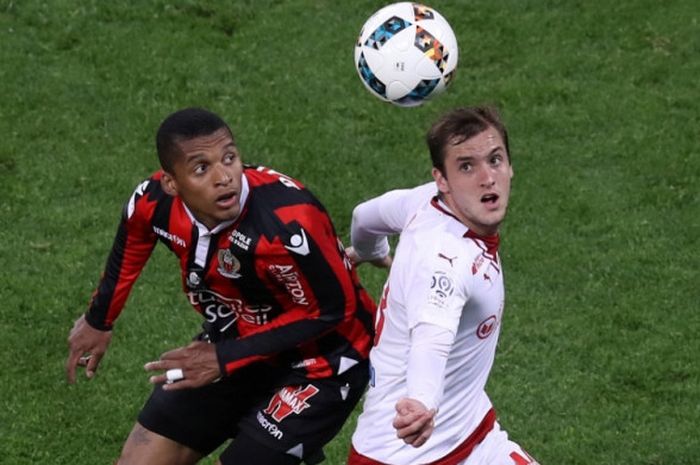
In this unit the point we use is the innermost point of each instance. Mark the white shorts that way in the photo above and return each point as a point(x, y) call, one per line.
point(497, 449)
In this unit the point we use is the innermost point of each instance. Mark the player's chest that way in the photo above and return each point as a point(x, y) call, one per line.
point(226, 278)
point(483, 310)
point(226, 259)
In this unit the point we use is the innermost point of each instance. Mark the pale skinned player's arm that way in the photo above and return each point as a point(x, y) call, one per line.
point(414, 423)
point(383, 262)
point(377, 218)
point(430, 347)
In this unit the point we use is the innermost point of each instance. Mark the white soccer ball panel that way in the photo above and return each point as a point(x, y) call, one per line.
point(402, 67)
point(425, 68)
point(375, 59)
point(406, 53)
point(397, 89)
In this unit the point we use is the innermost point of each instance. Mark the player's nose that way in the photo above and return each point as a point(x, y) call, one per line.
point(222, 175)
point(486, 176)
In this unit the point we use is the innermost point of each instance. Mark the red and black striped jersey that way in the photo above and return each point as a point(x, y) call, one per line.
point(273, 285)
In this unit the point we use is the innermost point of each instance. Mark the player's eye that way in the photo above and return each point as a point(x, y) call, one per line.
point(200, 168)
point(229, 158)
point(496, 160)
point(465, 166)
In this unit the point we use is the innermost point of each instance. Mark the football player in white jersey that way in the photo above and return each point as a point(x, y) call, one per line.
point(439, 318)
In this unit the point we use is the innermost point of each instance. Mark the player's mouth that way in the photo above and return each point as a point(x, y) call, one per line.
point(490, 200)
point(227, 200)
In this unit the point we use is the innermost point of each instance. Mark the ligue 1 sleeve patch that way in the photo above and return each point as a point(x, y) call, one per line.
point(441, 289)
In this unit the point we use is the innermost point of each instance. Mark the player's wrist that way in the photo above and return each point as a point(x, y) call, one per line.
point(423, 399)
point(95, 323)
point(372, 251)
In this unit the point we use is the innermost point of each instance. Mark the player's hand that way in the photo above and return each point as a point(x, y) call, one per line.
point(86, 347)
point(195, 365)
point(414, 423)
point(384, 262)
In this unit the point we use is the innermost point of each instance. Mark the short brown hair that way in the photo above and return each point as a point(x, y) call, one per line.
point(459, 125)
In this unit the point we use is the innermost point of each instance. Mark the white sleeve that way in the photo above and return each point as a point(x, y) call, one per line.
point(437, 292)
point(427, 358)
point(388, 214)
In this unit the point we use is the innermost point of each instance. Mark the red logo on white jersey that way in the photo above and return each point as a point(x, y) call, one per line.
point(379, 323)
point(520, 460)
point(486, 327)
point(478, 261)
point(288, 400)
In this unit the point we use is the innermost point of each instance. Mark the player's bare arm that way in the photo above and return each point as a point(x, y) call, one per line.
point(188, 367)
point(86, 347)
point(414, 423)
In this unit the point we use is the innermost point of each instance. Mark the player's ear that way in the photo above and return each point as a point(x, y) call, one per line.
point(510, 165)
point(441, 181)
point(167, 182)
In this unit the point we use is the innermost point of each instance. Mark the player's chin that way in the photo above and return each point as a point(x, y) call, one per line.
point(494, 214)
point(489, 224)
point(228, 214)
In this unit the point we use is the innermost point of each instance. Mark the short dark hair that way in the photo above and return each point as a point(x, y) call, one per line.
point(459, 125)
point(182, 125)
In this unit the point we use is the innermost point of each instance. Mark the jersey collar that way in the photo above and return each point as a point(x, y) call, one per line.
point(491, 242)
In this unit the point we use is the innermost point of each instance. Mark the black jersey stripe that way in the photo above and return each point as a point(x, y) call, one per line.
point(103, 296)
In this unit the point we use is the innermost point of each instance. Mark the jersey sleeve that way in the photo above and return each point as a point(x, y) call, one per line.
point(437, 292)
point(322, 296)
point(131, 249)
point(376, 219)
point(427, 359)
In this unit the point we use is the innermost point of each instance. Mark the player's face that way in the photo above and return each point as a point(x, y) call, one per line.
point(207, 177)
point(476, 182)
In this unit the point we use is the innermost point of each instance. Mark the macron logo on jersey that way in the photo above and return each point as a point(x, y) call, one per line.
point(298, 243)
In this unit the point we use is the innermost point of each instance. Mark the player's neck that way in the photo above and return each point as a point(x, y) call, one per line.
point(479, 230)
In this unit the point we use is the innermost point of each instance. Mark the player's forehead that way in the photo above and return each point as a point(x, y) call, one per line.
point(481, 145)
point(214, 143)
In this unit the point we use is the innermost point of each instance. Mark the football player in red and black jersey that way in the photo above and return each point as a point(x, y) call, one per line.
point(282, 359)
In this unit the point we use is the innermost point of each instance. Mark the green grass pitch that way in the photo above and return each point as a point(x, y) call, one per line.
point(597, 362)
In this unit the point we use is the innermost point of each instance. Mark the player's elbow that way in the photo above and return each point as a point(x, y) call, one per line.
point(331, 319)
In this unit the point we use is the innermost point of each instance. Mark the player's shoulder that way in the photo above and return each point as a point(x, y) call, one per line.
point(272, 189)
point(151, 184)
point(147, 193)
point(431, 223)
point(437, 237)
point(259, 175)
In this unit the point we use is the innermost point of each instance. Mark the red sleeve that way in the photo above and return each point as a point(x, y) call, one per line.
point(318, 296)
point(131, 250)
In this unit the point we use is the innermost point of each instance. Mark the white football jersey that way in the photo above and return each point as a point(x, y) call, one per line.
point(446, 276)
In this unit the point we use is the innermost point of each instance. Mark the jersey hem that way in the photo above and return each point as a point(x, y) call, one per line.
point(458, 454)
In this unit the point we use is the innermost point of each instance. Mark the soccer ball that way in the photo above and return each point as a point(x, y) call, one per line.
point(406, 54)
